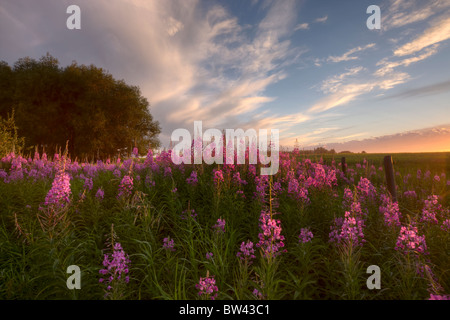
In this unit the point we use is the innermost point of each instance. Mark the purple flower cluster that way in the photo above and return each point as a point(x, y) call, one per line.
point(270, 239)
point(167, 172)
point(410, 241)
point(207, 287)
point(100, 194)
point(117, 173)
point(88, 183)
point(262, 184)
point(218, 177)
point(59, 194)
point(219, 227)
point(305, 235)
point(390, 210)
point(237, 179)
point(125, 187)
point(168, 244)
point(366, 190)
point(149, 158)
point(297, 192)
point(348, 199)
point(116, 267)
point(431, 210)
point(258, 294)
point(192, 180)
point(348, 230)
point(321, 176)
point(246, 252)
point(446, 225)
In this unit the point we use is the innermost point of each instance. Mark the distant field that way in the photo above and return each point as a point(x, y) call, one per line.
point(435, 161)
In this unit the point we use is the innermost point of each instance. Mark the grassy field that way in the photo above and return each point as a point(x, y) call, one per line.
point(224, 232)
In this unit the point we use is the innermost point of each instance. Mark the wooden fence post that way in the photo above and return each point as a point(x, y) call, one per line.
point(390, 178)
point(343, 165)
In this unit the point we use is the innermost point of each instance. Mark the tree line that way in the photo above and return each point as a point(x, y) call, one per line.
point(98, 115)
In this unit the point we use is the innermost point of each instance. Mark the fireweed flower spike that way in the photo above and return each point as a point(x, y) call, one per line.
point(192, 180)
point(59, 194)
point(115, 270)
point(390, 210)
point(431, 210)
point(206, 287)
point(168, 244)
point(219, 227)
point(348, 230)
point(100, 194)
point(246, 252)
point(125, 187)
point(409, 241)
point(270, 239)
point(305, 235)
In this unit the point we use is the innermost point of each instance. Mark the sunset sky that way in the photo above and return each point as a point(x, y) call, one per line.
point(311, 69)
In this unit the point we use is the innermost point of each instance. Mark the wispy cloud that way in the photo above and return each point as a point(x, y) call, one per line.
point(349, 54)
point(387, 66)
point(347, 86)
point(438, 32)
point(322, 19)
point(399, 13)
point(302, 26)
point(334, 83)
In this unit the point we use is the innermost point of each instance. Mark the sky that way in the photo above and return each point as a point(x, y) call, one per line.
point(310, 68)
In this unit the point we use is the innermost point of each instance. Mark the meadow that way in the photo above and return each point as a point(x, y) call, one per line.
point(144, 228)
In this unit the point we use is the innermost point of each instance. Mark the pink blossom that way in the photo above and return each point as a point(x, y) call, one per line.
point(305, 235)
point(207, 287)
point(168, 244)
point(431, 210)
point(410, 241)
point(115, 266)
point(192, 180)
point(60, 192)
point(270, 239)
point(246, 252)
point(219, 227)
point(125, 187)
point(348, 230)
point(390, 210)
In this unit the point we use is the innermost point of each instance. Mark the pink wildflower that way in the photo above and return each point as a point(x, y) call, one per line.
point(409, 241)
point(60, 192)
point(168, 244)
point(125, 187)
point(219, 227)
point(116, 267)
point(246, 252)
point(305, 235)
point(270, 239)
point(207, 287)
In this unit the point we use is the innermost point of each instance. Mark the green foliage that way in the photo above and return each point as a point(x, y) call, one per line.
point(84, 105)
point(9, 140)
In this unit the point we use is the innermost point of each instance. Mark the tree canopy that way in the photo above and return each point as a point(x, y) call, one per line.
point(84, 105)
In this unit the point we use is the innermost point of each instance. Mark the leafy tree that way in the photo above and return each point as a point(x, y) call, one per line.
point(84, 105)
